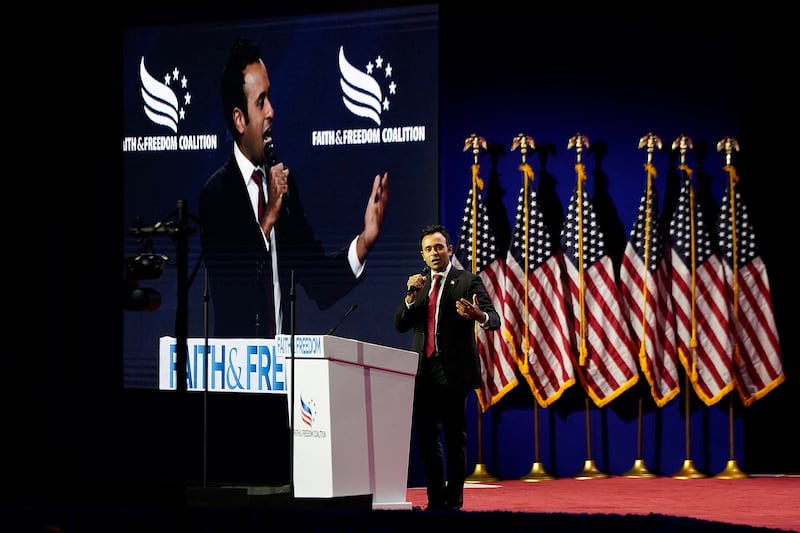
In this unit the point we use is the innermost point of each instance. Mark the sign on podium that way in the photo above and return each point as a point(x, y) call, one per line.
point(350, 418)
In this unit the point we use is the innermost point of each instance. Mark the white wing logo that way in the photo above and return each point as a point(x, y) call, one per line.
point(361, 93)
point(160, 101)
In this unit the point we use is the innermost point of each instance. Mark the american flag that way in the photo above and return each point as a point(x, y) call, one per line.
point(497, 357)
point(607, 365)
point(645, 287)
point(535, 314)
point(701, 303)
point(757, 360)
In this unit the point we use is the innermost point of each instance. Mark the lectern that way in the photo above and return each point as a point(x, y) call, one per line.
point(352, 418)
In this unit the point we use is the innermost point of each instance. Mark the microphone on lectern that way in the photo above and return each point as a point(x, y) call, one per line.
point(352, 308)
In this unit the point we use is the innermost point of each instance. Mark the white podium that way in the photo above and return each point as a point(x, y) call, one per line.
point(352, 418)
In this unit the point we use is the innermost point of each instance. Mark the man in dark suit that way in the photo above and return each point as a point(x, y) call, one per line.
point(254, 236)
point(250, 259)
point(449, 364)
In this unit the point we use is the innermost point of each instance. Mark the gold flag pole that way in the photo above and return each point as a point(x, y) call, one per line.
point(579, 141)
point(524, 143)
point(651, 141)
point(476, 143)
point(688, 470)
point(729, 144)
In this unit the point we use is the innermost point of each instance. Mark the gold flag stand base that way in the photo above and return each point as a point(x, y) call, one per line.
point(638, 470)
point(480, 475)
point(731, 471)
point(688, 471)
point(590, 471)
point(537, 473)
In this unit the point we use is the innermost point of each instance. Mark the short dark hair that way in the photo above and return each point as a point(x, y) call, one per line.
point(243, 52)
point(434, 228)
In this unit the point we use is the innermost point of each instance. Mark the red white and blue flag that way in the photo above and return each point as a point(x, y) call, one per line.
point(601, 339)
point(645, 286)
point(476, 252)
point(757, 364)
point(535, 314)
point(701, 302)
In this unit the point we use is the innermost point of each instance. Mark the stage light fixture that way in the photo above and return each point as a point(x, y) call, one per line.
point(138, 298)
point(145, 265)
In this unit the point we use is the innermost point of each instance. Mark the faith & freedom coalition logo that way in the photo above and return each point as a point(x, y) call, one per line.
point(166, 101)
point(367, 93)
point(308, 416)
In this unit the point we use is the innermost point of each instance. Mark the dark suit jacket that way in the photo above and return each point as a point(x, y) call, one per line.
point(235, 254)
point(458, 351)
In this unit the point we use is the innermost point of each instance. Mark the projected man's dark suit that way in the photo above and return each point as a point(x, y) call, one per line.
point(234, 251)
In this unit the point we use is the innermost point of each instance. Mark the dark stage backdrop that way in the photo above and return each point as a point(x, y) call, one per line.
point(175, 137)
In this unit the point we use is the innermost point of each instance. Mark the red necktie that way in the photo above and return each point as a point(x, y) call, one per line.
point(430, 339)
point(268, 321)
point(262, 205)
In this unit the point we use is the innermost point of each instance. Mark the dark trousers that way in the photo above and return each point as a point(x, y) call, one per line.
point(439, 413)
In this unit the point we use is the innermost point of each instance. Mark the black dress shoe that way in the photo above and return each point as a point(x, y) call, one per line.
point(436, 507)
point(442, 507)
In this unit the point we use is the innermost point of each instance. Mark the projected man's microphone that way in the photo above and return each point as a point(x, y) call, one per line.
point(270, 160)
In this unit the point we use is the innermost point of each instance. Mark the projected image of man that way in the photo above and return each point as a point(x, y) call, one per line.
point(255, 235)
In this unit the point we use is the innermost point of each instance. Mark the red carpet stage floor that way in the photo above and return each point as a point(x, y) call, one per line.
point(754, 504)
point(760, 501)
